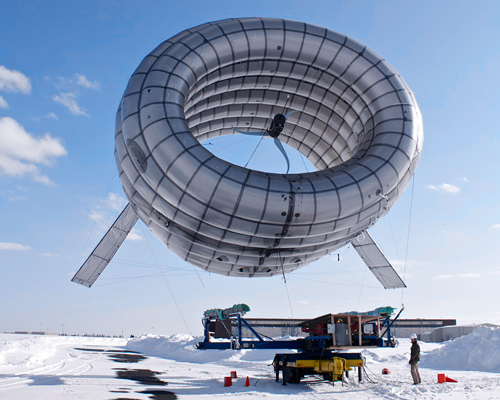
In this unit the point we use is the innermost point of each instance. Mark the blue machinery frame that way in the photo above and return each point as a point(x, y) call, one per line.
point(238, 343)
point(310, 343)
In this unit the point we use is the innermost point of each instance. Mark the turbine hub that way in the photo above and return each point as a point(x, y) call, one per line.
point(277, 125)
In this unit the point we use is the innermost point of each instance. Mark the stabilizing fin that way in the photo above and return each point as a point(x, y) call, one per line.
point(107, 248)
point(252, 133)
point(376, 261)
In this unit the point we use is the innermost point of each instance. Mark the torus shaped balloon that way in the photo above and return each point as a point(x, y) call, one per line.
point(346, 109)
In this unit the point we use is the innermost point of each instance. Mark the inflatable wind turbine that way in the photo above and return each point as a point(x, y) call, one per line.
point(344, 107)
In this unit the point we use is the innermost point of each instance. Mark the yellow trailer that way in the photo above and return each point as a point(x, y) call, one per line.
point(330, 365)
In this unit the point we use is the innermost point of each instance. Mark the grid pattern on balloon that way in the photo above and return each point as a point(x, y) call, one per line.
point(354, 118)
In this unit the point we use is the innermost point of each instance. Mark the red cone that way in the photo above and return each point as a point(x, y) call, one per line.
point(247, 383)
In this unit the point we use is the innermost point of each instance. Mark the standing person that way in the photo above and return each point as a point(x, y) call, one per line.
point(415, 359)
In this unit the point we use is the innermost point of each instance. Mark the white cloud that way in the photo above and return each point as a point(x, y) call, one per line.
point(64, 82)
point(21, 153)
point(134, 236)
point(3, 103)
point(43, 179)
point(95, 215)
point(13, 246)
point(495, 226)
point(55, 255)
point(14, 81)
point(470, 275)
point(445, 188)
point(50, 115)
point(115, 201)
point(69, 90)
point(50, 255)
point(67, 99)
point(409, 263)
point(61, 83)
point(443, 277)
point(105, 211)
point(78, 81)
point(100, 212)
point(464, 179)
point(81, 80)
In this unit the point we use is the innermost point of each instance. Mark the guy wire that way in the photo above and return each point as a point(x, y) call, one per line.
point(165, 280)
point(95, 220)
point(286, 284)
point(408, 235)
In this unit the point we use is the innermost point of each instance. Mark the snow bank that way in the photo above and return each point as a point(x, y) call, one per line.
point(478, 351)
point(181, 347)
point(26, 352)
point(31, 351)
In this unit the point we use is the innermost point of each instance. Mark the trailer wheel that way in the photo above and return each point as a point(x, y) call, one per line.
point(291, 374)
point(276, 365)
point(328, 376)
point(286, 375)
point(296, 375)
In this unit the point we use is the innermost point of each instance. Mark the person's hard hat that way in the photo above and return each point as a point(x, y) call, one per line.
point(413, 336)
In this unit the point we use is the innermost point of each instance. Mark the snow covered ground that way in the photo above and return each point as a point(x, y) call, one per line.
point(158, 367)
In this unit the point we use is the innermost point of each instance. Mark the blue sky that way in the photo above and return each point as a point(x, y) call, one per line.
point(63, 68)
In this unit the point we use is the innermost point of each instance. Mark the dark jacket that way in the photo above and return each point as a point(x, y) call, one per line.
point(415, 353)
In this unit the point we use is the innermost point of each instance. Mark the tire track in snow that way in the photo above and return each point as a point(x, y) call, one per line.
point(5, 384)
point(80, 369)
point(42, 370)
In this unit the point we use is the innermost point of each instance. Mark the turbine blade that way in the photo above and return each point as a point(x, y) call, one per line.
point(291, 112)
point(279, 145)
point(254, 133)
point(107, 248)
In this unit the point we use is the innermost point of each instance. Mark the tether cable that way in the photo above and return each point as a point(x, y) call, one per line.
point(166, 283)
point(408, 234)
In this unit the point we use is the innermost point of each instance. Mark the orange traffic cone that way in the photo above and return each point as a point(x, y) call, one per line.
point(442, 378)
point(247, 382)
